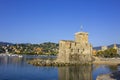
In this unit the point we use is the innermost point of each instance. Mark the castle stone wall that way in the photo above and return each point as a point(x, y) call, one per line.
point(78, 51)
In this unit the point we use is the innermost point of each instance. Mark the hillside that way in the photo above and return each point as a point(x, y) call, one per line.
point(43, 48)
point(5, 43)
point(109, 46)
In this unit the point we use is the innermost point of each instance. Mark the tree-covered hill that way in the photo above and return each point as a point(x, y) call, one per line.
point(43, 48)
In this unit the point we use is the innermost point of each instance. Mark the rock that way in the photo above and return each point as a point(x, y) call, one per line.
point(110, 76)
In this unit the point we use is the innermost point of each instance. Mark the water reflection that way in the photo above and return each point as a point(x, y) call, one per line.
point(99, 69)
point(75, 73)
point(10, 60)
point(15, 68)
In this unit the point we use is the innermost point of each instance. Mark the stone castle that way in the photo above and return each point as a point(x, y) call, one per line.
point(74, 52)
point(77, 51)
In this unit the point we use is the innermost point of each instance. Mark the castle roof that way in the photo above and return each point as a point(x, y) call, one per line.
point(81, 33)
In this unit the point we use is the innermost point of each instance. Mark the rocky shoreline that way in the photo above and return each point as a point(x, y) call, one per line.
point(54, 62)
point(110, 76)
point(108, 61)
point(41, 62)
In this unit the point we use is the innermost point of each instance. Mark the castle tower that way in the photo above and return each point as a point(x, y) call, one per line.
point(77, 51)
point(115, 46)
point(81, 37)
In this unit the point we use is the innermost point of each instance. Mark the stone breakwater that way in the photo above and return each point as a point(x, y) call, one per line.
point(109, 61)
point(40, 62)
point(55, 62)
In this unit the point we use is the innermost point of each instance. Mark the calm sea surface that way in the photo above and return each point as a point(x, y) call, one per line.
point(15, 68)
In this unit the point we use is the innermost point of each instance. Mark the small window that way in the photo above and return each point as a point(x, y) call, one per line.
point(71, 50)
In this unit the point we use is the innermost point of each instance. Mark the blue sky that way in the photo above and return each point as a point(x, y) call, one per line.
point(38, 21)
